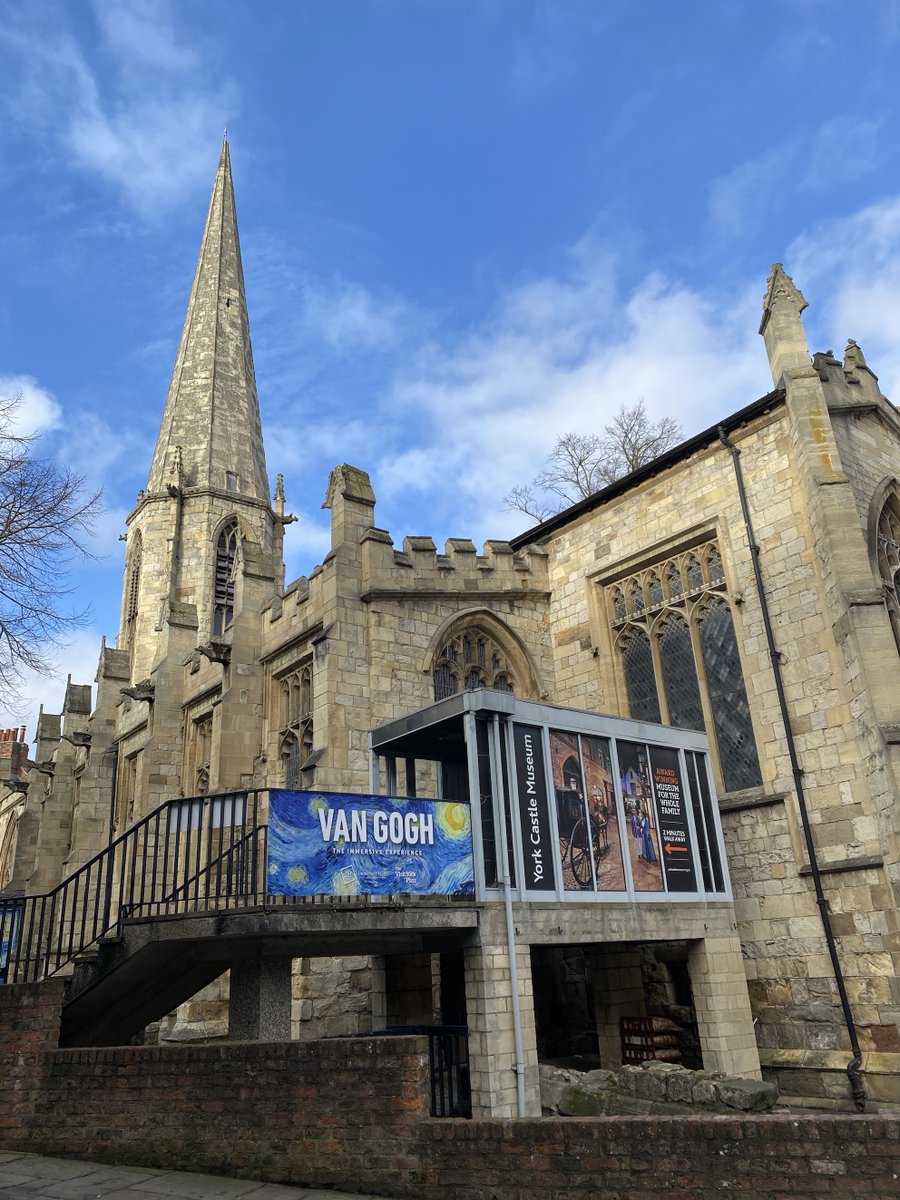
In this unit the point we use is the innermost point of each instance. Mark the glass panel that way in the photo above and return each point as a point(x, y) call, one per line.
point(714, 562)
point(619, 604)
point(680, 675)
point(704, 821)
point(488, 830)
point(643, 841)
point(292, 766)
point(728, 699)
point(445, 682)
point(673, 581)
point(473, 681)
point(640, 681)
point(637, 599)
point(571, 812)
point(694, 574)
point(656, 592)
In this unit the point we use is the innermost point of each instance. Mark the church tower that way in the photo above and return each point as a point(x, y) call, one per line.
point(203, 551)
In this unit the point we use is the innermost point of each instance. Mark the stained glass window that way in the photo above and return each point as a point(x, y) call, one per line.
point(680, 674)
point(728, 698)
point(468, 661)
point(640, 679)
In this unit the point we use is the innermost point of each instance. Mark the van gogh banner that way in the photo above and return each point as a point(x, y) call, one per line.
point(333, 844)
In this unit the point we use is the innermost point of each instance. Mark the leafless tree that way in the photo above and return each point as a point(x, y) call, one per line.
point(582, 463)
point(46, 515)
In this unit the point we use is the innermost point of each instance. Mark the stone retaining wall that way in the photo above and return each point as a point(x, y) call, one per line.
point(353, 1113)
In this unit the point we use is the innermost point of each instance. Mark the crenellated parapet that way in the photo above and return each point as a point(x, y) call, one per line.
point(419, 568)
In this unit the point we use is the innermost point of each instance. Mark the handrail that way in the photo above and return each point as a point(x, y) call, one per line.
point(168, 851)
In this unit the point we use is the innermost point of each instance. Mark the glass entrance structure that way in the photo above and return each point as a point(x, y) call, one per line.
point(566, 806)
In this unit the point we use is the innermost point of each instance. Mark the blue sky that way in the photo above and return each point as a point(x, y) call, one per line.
point(467, 226)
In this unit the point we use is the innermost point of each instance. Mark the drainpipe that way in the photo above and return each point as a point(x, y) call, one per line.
point(503, 873)
point(853, 1074)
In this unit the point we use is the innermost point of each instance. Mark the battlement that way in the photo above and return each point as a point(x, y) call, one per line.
point(418, 567)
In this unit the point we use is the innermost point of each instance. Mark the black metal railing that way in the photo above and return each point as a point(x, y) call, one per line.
point(186, 855)
point(448, 1054)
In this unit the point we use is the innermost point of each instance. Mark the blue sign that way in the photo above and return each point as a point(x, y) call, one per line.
point(10, 928)
point(333, 844)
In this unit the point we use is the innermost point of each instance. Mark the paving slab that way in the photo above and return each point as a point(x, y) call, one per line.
point(35, 1177)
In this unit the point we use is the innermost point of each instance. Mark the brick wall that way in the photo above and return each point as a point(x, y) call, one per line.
point(681, 1158)
point(353, 1113)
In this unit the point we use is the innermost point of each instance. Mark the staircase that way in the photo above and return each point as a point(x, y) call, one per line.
point(188, 855)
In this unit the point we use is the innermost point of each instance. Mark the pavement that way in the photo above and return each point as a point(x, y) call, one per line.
point(34, 1177)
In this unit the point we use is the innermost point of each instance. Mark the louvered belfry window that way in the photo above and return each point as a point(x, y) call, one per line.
point(226, 553)
point(680, 658)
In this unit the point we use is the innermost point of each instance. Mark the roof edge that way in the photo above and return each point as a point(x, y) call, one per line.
point(676, 454)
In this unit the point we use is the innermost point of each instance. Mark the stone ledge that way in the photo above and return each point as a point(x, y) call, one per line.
point(865, 862)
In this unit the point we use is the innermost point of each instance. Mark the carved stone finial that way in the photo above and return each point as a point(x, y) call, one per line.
point(853, 355)
point(781, 326)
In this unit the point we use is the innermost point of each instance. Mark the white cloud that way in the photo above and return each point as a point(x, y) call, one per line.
point(79, 658)
point(141, 114)
point(37, 411)
point(849, 270)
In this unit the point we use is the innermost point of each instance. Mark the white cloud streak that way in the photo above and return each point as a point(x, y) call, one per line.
point(139, 111)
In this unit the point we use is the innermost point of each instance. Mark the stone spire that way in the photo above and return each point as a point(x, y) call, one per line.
point(781, 326)
point(212, 410)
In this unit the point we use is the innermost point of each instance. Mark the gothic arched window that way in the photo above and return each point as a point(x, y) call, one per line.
point(618, 601)
point(640, 679)
point(132, 589)
point(296, 722)
point(469, 660)
point(887, 548)
point(679, 673)
point(684, 667)
point(728, 698)
point(226, 553)
point(655, 589)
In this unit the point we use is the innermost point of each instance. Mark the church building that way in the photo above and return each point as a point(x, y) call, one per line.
point(737, 598)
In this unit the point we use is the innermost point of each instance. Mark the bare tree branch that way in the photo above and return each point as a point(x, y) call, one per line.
point(580, 464)
point(46, 514)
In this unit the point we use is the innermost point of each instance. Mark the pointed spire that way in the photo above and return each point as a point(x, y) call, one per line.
point(781, 326)
point(211, 429)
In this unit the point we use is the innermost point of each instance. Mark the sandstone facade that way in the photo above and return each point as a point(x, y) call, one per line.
point(222, 678)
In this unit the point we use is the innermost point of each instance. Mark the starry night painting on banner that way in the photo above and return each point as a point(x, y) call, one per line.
point(332, 844)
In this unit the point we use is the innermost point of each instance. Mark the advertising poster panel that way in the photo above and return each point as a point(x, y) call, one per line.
point(640, 817)
point(333, 844)
point(674, 836)
point(10, 928)
point(589, 846)
point(538, 849)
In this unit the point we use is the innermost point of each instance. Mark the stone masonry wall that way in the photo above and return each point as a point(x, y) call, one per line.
point(353, 1113)
point(785, 953)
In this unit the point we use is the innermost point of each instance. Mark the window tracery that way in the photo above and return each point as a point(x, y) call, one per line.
point(680, 657)
point(471, 659)
point(226, 555)
point(133, 590)
point(887, 549)
point(296, 722)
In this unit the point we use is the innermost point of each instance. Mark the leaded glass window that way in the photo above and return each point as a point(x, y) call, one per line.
point(694, 573)
point(661, 652)
point(468, 661)
point(888, 553)
point(680, 674)
point(640, 678)
point(728, 698)
point(226, 553)
point(297, 720)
